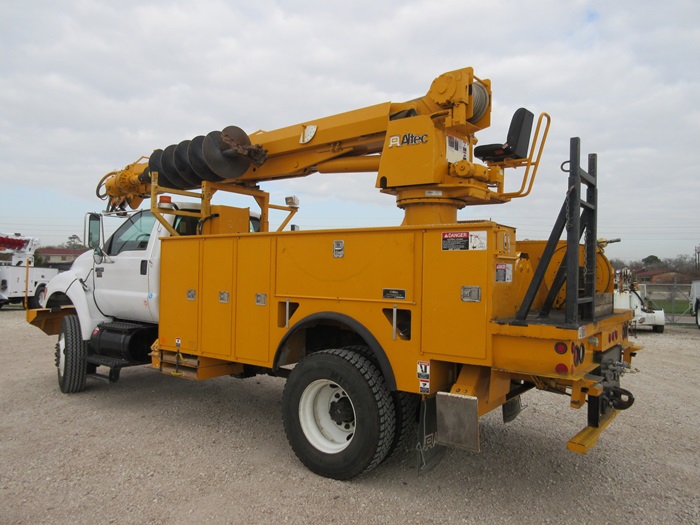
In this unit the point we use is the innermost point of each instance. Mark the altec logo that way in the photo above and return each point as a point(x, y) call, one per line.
point(409, 139)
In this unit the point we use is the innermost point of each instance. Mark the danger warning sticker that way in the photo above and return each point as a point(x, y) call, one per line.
point(463, 241)
point(455, 241)
point(457, 149)
point(424, 370)
point(504, 273)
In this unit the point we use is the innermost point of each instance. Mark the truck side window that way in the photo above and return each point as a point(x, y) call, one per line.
point(185, 225)
point(133, 235)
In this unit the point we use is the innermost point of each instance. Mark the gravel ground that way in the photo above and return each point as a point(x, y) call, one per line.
point(155, 449)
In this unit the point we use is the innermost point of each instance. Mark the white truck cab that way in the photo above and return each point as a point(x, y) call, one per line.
point(120, 279)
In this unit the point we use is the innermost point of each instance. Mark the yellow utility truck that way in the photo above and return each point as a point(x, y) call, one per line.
point(389, 337)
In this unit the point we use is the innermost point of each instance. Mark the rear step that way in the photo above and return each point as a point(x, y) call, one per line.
point(191, 366)
point(588, 437)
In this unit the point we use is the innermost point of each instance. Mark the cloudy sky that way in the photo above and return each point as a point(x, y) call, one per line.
point(88, 86)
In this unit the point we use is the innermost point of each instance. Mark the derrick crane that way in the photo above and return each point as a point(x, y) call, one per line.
point(378, 332)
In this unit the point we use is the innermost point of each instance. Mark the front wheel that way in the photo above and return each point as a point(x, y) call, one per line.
point(70, 356)
point(34, 301)
point(338, 416)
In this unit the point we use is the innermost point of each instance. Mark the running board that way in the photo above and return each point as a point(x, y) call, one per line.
point(114, 364)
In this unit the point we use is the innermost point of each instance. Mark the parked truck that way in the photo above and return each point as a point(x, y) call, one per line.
point(695, 301)
point(20, 280)
point(388, 337)
point(632, 295)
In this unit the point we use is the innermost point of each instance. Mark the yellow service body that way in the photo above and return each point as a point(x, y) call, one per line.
point(453, 289)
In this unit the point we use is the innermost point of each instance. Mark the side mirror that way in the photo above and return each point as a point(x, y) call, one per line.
point(93, 234)
point(98, 255)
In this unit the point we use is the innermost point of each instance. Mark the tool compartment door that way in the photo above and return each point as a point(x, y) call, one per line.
point(180, 294)
point(455, 293)
point(218, 295)
point(253, 299)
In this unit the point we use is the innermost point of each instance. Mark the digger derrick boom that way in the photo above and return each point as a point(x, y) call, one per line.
point(439, 129)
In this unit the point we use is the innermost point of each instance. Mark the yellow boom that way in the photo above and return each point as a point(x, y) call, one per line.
point(439, 129)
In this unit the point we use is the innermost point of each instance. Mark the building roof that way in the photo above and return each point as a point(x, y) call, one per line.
point(650, 273)
point(59, 251)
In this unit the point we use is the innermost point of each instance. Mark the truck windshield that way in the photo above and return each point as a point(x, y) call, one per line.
point(133, 235)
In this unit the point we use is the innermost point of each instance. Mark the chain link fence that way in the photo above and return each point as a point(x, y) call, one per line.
point(674, 299)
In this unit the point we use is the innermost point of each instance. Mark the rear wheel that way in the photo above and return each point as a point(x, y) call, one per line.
point(658, 328)
point(338, 416)
point(697, 313)
point(407, 408)
point(71, 351)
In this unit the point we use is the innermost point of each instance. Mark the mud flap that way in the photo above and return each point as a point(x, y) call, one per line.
point(428, 452)
point(458, 421)
point(511, 409)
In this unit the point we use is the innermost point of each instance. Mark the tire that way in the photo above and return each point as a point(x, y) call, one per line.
point(697, 314)
point(338, 416)
point(33, 302)
point(406, 408)
point(70, 356)
point(658, 328)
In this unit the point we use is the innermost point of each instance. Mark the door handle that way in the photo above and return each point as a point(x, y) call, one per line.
point(144, 267)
